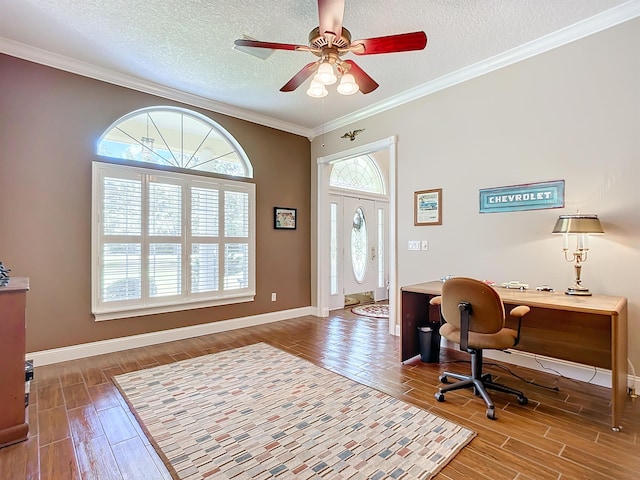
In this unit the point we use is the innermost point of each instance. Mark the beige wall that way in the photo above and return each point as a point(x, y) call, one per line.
point(50, 122)
point(569, 114)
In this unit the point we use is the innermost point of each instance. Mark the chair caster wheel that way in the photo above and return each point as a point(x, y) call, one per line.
point(443, 379)
point(440, 396)
point(491, 414)
point(523, 400)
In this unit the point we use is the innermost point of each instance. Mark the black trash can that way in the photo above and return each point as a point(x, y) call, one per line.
point(429, 340)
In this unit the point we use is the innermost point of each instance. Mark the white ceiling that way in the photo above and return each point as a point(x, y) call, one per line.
point(183, 49)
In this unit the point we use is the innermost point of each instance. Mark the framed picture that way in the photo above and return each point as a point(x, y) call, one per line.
point(285, 218)
point(427, 208)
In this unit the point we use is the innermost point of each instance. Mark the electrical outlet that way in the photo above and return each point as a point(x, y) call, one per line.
point(425, 245)
point(414, 245)
point(273, 297)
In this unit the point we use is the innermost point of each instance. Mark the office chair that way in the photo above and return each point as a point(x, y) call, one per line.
point(475, 319)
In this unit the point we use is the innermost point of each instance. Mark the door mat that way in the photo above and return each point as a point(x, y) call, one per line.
point(374, 310)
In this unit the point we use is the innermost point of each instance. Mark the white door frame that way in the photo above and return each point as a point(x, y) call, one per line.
point(322, 254)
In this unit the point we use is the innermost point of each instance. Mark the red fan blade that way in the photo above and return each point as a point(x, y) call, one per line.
point(364, 81)
point(403, 42)
point(331, 13)
point(271, 45)
point(299, 78)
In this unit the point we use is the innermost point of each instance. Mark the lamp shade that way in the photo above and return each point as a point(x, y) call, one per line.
point(578, 224)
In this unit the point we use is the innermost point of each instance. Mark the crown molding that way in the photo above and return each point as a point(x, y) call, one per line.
point(610, 18)
point(60, 62)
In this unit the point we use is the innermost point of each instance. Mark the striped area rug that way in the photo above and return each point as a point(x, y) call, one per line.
point(257, 412)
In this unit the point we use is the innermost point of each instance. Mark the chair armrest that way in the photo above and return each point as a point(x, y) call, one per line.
point(519, 312)
point(438, 301)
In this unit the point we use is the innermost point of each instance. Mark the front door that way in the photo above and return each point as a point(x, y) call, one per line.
point(360, 246)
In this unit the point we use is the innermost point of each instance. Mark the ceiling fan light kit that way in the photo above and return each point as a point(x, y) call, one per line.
point(348, 85)
point(317, 90)
point(325, 74)
point(330, 41)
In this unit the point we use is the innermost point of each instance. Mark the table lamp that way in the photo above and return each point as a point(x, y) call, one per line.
point(581, 226)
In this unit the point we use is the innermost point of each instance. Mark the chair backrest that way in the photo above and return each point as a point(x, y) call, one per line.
point(487, 310)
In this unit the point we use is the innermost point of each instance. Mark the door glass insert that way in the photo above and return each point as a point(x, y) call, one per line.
point(359, 245)
point(380, 248)
point(333, 274)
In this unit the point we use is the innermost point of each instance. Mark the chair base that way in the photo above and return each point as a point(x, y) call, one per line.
point(480, 383)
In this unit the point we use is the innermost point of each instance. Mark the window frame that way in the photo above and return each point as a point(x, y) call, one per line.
point(186, 300)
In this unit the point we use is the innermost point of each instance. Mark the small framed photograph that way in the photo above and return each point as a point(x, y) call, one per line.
point(285, 218)
point(427, 208)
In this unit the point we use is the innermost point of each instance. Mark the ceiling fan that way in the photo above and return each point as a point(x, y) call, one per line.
point(330, 41)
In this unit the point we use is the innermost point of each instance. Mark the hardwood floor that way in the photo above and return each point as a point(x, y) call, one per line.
point(81, 428)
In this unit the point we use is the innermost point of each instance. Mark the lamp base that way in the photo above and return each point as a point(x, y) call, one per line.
point(578, 290)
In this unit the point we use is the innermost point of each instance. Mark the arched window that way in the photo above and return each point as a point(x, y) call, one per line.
point(165, 235)
point(358, 173)
point(175, 137)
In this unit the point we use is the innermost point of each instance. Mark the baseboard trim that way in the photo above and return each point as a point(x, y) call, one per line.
point(540, 363)
point(74, 352)
point(554, 366)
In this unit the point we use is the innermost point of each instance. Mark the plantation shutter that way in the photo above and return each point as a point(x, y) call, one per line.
point(170, 239)
point(165, 233)
point(236, 218)
point(205, 263)
point(121, 255)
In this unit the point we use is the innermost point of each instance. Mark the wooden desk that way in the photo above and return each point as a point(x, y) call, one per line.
point(13, 426)
point(588, 330)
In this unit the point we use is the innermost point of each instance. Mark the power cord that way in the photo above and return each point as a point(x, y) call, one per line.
point(577, 382)
point(530, 382)
point(503, 367)
point(631, 389)
point(545, 367)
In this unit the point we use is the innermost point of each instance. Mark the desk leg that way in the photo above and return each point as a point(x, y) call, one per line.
point(618, 367)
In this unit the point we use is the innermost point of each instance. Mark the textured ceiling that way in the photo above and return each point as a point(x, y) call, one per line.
point(186, 47)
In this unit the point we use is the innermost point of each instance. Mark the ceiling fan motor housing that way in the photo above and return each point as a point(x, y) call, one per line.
point(318, 41)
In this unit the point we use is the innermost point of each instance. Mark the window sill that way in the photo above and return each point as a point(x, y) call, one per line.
point(127, 312)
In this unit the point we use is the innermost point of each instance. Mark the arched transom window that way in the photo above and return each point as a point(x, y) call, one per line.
point(175, 137)
point(358, 173)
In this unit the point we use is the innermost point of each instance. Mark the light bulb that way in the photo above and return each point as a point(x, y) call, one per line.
point(317, 90)
point(348, 85)
point(325, 74)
